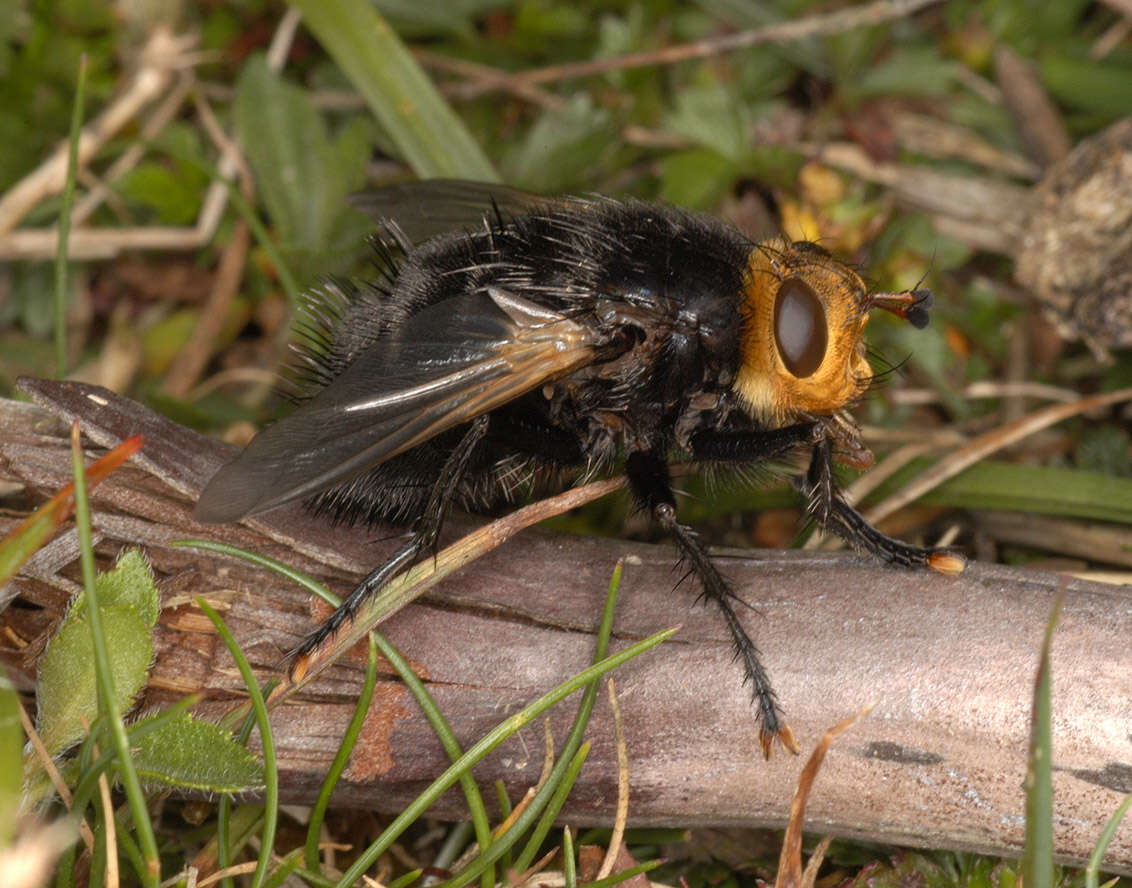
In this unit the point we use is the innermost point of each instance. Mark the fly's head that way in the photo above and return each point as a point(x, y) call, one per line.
point(802, 342)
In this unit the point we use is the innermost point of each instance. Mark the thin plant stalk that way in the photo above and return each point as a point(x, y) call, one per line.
point(151, 875)
point(558, 773)
point(349, 739)
point(61, 258)
point(267, 741)
point(447, 738)
point(489, 742)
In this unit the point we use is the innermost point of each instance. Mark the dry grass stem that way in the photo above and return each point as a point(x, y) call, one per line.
point(161, 58)
point(984, 445)
point(622, 817)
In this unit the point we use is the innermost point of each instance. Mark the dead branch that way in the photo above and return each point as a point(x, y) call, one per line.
point(950, 661)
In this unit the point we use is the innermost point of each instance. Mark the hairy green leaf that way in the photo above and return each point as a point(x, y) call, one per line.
point(191, 754)
point(68, 696)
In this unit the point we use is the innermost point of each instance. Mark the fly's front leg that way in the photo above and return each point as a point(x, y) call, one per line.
point(710, 445)
point(827, 507)
point(425, 536)
point(652, 487)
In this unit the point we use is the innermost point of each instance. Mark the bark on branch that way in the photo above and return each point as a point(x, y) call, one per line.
point(950, 661)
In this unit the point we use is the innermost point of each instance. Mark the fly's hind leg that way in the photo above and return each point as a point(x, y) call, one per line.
point(652, 487)
point(835, 515)
point(425, 536)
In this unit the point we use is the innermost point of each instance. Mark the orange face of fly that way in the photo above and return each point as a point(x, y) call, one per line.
point(804, 316)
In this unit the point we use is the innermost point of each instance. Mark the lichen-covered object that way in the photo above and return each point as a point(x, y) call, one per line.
point(1076, 251)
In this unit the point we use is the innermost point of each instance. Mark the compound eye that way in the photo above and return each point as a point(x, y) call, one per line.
point(800, 330)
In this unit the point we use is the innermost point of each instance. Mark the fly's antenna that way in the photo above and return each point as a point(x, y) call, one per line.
point(910, 305)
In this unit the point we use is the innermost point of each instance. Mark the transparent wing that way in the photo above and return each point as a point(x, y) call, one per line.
point(430, 207)
point(450, 363)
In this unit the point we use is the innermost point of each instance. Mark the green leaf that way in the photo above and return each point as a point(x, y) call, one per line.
point(286, 141)
point(189, 754)
point(696, 179)
point(713, 117)
point(153, 185)
point(303, 175)
point(171, 187)
point(11, 754)
point(1098, 87)
point(431, 138)
point(67, 692)
point(163, 339)
point(909, 70)
point(130, 605)
point(1042, 490)
point(562, 148)
point(129, 583)
point(351, 152)
point(30, 281)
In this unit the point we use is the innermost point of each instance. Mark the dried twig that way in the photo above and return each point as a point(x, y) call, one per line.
point(835, 628)
point(991, 442)
point(474, 72)
point(781, 32)
point(1035, 115)
point(985, 213)
point(194, 356)
point(158, 120)
point(989, 388)
point(161, 58)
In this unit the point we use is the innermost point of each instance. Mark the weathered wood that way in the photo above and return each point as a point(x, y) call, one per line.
point(950, 661)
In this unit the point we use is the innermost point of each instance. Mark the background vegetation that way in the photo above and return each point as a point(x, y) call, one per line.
point(182, 296)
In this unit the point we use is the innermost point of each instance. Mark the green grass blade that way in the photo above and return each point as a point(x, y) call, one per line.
point(566, 760)
point(489, 742)
point(151, 875)
point(557, 800)
point(431, 138)
point(61, 259)
point(505, 810)
point(270, 768)
point(406, 880)
point(1097, 857)
point(297, 576)
point(286, 866)
point(1043, 490)
point(224, 813)
point(1037, 856)
point(11, 755)
point(447, 739)
point(353, 730)
point(569, 864)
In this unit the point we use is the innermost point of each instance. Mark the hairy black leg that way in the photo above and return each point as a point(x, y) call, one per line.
point(651, 485)
point(837, 516)
point(753, 446)
point(425, 536)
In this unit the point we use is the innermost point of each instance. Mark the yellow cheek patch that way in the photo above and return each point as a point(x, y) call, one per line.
point(771, 393)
